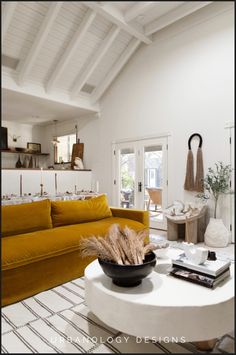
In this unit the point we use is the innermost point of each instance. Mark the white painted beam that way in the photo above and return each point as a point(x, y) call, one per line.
point(9, 82)
point(114, 15)
point(176, 14)
point(7, 14)
point(95, 60)
point(123, 59)
point(72, 47)
point(26, 66)
point(139, 8)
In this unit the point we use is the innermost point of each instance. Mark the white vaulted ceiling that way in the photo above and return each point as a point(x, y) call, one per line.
point(72, 51)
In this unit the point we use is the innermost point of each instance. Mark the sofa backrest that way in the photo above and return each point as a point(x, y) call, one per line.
point(26, 218)
point(77, 211)
point(30, 217)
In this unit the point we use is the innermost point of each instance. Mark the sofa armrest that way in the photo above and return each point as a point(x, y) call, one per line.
point(136, 215)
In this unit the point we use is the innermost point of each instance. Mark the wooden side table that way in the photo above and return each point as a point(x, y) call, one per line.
point(191, 229)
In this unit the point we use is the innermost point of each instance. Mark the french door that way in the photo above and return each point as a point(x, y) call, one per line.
point(140, 177)
point(232, 197)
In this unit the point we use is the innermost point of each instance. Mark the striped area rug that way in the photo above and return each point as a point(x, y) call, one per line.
point(58, 321)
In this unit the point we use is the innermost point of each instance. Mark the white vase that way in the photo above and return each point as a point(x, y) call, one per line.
point(216, 234)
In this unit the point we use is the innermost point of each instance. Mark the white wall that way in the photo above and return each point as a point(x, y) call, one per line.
point(182, 83)
point(26, 133)
point(68, 127)
point(31, 180)
point(44, 135)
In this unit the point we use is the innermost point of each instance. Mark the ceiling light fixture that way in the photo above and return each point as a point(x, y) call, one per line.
point(55, 141)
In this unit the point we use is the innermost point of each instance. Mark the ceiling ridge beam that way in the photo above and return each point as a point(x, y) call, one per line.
point(94, 61)
point(138, 9)
point(115, 16)
point(119, 64)
point(71, 48)
point(26, 66)
point(176, 14)
point(9, 9)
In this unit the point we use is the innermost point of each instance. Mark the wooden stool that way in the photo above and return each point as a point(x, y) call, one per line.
point(125, 204)
point(190, 229)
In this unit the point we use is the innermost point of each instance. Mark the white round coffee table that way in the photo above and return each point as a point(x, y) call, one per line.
point(161, 306)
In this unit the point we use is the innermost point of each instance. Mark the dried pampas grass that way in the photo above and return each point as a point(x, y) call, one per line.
point(123, 247)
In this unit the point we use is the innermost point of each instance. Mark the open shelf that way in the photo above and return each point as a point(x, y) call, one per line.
point(11, 151)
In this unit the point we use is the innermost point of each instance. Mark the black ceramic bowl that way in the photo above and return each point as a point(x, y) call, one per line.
point(19, 149)
point(129, 275)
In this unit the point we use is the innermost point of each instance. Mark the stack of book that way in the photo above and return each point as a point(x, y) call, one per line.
point(208, 274)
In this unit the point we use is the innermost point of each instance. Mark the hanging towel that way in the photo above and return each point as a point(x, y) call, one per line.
point(190, 184)
point(198, 185)
point(189, 179)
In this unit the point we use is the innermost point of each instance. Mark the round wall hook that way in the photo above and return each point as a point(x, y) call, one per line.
point(191, 137)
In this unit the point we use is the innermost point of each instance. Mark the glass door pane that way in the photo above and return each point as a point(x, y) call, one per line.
point(140, 177)
point(127, 178)
point(153, 168)
point(232, 196)
point(153, 179)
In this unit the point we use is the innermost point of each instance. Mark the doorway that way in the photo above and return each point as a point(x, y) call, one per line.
point(140, 177)
point(232, 211)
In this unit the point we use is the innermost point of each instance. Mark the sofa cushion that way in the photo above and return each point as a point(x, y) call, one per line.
point(26, 218)
point(101, 227)
point(73, 212)
point(32, 247)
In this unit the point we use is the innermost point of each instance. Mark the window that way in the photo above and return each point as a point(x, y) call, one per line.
point(63, 149)
point(153, 166)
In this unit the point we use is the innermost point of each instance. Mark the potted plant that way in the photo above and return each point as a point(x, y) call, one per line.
point(217, 182)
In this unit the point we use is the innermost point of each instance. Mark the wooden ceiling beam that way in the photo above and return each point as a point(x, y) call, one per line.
point(139, 8)
point(72, 47)
point(122, 60)
point(26, 66)
point(94, 61)
point(114, 15)
point(174, 15)
point(9, 9)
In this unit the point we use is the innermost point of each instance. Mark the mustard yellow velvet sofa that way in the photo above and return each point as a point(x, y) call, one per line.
point(40, 241)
